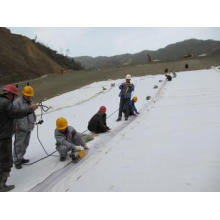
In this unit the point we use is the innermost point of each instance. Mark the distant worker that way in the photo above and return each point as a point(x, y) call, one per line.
point(132, 108)
point(125, 95)
point(8, 112)
point(69, 140)
point(169, 77)
point(23, 127)
point(97, 123)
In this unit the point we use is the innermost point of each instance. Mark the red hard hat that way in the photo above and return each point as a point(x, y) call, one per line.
point(11, 88)
point(102, 109)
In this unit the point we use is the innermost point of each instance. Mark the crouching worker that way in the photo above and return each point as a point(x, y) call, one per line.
point(169, 77)
point(69, 140)
point(132, 108)
point(97, 123)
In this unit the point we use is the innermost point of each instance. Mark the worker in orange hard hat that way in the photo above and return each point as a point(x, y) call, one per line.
point(9, 112)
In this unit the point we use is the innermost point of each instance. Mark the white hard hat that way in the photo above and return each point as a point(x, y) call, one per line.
point(128, 76)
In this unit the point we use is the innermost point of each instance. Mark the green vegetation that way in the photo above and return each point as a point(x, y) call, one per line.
point(64, 61)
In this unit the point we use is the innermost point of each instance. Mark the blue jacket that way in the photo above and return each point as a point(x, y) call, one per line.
point(126, 90)
point(131, 107)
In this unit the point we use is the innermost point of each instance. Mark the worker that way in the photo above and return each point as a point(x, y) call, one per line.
point(97, 123)
point(125, 95)
point(132, 107)
point(9, 112)
point(23, 127)
point(169, 77)
point(68, 139)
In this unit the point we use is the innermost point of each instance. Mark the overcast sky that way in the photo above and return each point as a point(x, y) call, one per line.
point(109, 41)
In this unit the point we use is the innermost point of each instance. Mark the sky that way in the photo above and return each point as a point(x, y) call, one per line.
point(110, 41)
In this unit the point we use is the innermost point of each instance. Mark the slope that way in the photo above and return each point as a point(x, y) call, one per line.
point(78, 107)
point(21, 59)
point(171, 146)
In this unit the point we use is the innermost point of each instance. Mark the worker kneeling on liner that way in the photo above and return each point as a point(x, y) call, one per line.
point(97, 123)
point(68, 139)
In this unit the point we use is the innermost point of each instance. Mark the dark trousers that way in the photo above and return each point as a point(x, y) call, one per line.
point(124, 103)
point(97, 129)
point(6, 160)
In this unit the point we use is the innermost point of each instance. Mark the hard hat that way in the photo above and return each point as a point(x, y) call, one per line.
point(10, 88)
point(82, 153)
point(61, 123)
point(135, 98)
point(102, 109)
point(28, 91)
point(128, 76)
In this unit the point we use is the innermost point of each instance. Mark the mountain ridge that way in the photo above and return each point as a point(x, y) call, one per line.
point(190, 47)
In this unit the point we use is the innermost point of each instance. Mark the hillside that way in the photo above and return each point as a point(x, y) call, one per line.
point(21, 58)
point(169, 53)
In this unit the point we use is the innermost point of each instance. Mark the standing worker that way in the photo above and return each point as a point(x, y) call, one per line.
point(8, 112)
point(23, 127)
point(125, 95)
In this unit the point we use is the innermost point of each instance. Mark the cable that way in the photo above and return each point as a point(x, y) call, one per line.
point(40, 140)
point(43, 108)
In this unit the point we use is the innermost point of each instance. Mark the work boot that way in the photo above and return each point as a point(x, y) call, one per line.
point(25, 161)
point(62, 158)
point(3, 186)
point(18, 165)
point(119, 119)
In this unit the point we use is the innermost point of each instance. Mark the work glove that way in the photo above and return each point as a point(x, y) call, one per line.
point(34, 106)
point(86, 147)
point(79, 148)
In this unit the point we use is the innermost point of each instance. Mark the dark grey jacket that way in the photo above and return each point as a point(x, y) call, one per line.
point(26, 123)
point(8, 112)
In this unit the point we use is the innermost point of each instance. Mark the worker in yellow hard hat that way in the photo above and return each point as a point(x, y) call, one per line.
point(68, 139)
point(23, 127)
point(131, 106)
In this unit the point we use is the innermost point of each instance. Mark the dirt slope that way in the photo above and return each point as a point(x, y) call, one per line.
point(20, 58)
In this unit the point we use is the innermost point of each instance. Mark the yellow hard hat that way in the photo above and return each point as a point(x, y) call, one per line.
point(61, 123)
point(82, 153)
point(28, 91)
point(135, 98)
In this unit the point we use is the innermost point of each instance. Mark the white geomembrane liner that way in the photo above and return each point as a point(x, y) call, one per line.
point(173, 145)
